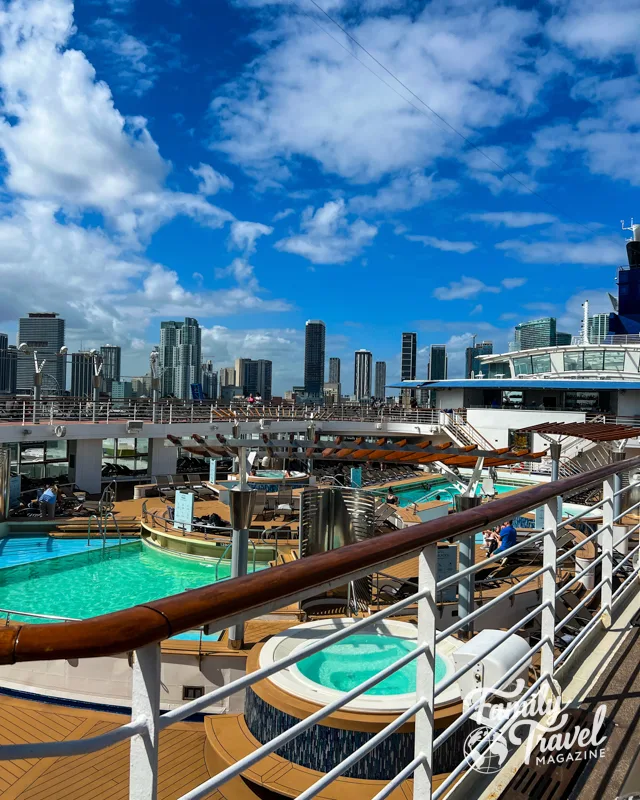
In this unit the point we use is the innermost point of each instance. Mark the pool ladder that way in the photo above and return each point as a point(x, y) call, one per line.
point(102, 527)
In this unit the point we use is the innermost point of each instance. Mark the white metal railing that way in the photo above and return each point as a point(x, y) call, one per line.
point(143, 730)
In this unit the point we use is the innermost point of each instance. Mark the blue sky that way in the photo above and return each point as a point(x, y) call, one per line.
point(231, 160)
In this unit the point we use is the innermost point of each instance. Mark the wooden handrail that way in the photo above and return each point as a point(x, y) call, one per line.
point(228, 602)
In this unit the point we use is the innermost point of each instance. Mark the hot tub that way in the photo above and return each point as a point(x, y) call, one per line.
point(323, 677)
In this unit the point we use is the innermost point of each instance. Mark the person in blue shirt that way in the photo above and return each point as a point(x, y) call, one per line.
point(47, 502)
point(508, 537)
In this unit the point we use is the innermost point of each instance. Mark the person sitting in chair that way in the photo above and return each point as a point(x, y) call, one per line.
point(508, 537)
point(392, 499)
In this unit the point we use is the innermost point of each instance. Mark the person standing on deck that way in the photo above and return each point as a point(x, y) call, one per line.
point(47, 502)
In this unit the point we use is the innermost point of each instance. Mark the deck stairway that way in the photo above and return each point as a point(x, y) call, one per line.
point(77, 528)
point(462, 432)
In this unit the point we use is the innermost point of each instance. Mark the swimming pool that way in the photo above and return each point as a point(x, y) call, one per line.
point(347, 664)
point(98, 582)
point(428, 491)
point(25, 548)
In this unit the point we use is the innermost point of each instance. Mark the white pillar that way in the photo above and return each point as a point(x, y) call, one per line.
point(549, 588)
point(606, 543)
point(145, 702)
point(85, 464)
point(162, 460)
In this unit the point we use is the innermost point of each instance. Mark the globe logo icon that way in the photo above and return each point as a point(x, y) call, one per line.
point(494, 755)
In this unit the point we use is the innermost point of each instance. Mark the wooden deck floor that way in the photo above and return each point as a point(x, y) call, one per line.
point(98, 776)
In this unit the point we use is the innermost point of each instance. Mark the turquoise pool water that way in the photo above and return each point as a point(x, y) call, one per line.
point(345, 665)
point(23, 549)
point(97, 582)
point(427, 491)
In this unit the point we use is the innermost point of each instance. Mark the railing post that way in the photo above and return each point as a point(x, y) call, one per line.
point(425, 671)
point(145, 702)
point(606, 543)
point(170, 413)
point(549, 588)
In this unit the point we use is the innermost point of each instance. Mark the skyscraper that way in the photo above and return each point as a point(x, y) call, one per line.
point(362, 374)
point(438, 362)
point(42, 332)
point(598, 328)
point(334, 370)
point(8, 362)
point(256, 376)
point(240, 372)
point(111, 355)
point(314, 336)
point(227, 377)
point(209, 381)
point(408, 363)
point(81, 374)
point(380, 380)
point(180, 356)
point(472, 362)
point(536, 333)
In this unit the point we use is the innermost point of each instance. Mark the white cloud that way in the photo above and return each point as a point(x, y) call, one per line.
point(600, 250)
point(211, 181)
point(476, 309)
point(513, 219)
point(245, 234)
point(491, 171)
point(131, 59)
point(403, 193)
point(352, 124)
point(287, 212)
point(443, 244)
point(327, 237)
point(463, 289)
point(513, 283)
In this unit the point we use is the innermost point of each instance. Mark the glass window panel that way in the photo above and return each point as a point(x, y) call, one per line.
point(13, 450)
point(142, 462)
point(142, 445)
point(126, 448)
point(573, 361)
point(581, 401)
point(108, 449)
point(522, 366)
point(56, 449)
point(593, 359)
point(541, 363)
point(31, 452)
point(613, 360)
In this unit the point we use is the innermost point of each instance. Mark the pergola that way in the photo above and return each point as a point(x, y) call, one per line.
point(424, 451)
point(591, 431)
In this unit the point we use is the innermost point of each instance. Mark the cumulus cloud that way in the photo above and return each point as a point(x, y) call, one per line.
point(443, 244)
point(404, 192)
point(513, 283)
point(327, 237)
point(245, 234)
point(346, 119)
point(211, 181)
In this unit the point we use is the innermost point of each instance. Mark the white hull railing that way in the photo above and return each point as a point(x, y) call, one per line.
point(335, 568)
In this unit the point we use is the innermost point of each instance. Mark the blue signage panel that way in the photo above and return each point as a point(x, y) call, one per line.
point(197, 392)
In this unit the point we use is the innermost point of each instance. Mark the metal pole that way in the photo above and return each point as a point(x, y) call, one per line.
point(37, 394)
point(425, 672)
point(549, 557)
point(606, 543)
point(467, 558)
point(145, 702)
point(155, 394)
point(5, 483)
point(555, 450)
point(241, 501)
point(96, 397)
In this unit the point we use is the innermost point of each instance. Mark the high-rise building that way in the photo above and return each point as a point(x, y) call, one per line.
point(180, 357)
point(563, 339)
point(362, 374)
point(81, 374)
point(438, 362)
point(408, 362)
point(472, 362)
point(121, 390)
point(536, 333)
point(334, 370)
point(141, 386)
point(227, 377)
point(598, 328)
point(253, 376)
point(314, 337)
point(42, 332)
point(332, 393)
point(8, 364)
point(209, 381)
point(111, 355)
point(380, 380)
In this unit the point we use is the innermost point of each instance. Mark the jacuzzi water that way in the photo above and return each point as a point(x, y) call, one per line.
point(347, 664)
point(97, 582)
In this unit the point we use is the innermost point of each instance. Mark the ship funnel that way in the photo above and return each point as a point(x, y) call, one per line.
point(633, 244)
